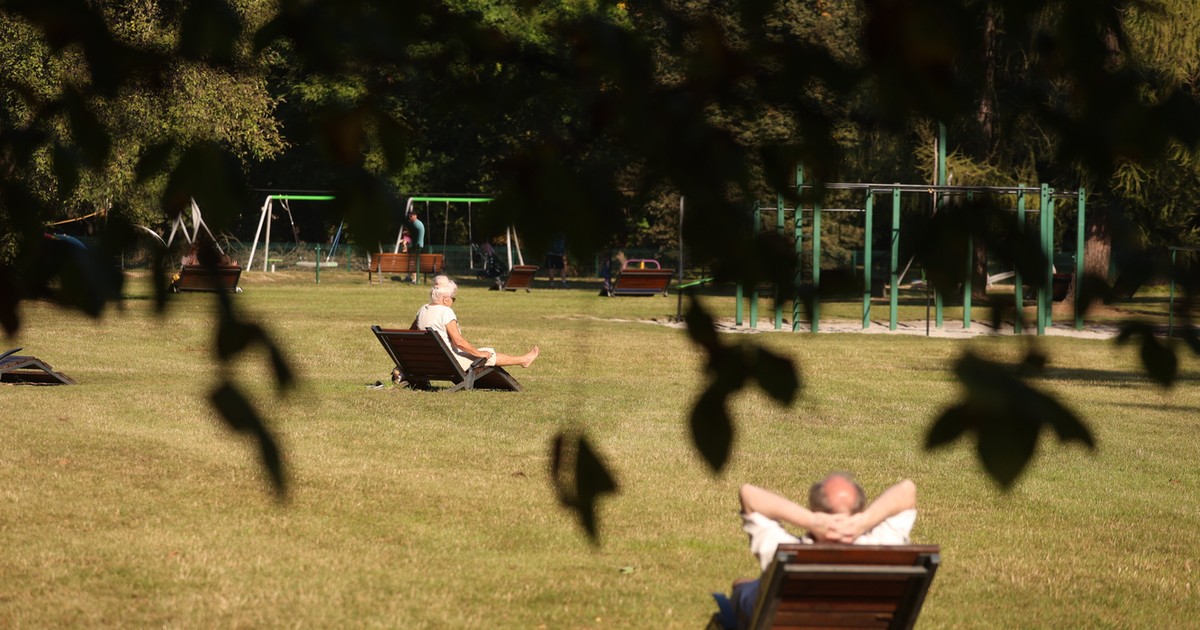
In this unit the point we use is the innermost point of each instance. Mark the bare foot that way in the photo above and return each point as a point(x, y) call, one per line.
point(527, 360)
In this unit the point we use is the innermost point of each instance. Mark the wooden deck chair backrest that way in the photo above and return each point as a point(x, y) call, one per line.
point(424, 355)
point(15, 368)
point(851, 586)
point(520, 277)
point(199, 278)
point(642, 282)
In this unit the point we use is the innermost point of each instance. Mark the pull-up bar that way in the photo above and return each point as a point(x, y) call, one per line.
point(1045, 231)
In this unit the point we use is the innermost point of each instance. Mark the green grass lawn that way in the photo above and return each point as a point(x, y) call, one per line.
point(125, 502)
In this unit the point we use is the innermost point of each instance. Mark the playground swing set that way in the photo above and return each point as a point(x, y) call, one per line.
point(267, 213)
point(1047, 199)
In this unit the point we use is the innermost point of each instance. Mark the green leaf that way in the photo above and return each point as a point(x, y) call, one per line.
point(209, 29)
point(1006, 446)
point(777, 376)
point(591, 479)
point(10, 319)
point(701, 327)
point(86, 130)
point(239, 415)
point(153, 161)
point(284, 377)
point(712, 428)
point(1007, 416)
point(949, 426)
point(211, 176)
point(1159, 360)
point(234, 336)
point(66, 170)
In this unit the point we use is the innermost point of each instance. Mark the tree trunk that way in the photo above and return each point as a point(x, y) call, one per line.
point(985, 116)
point(1097, 255)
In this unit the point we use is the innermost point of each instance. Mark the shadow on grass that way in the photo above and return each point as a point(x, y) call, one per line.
point(1188, 409)
point(1110, 378)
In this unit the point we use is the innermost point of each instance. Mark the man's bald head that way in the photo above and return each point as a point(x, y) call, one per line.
point(837, 493)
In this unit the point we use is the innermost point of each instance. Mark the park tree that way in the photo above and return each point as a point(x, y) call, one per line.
point(563, 107)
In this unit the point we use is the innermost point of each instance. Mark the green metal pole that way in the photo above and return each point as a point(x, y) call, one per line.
point(737, 315)
point(1050, 269)
point(939, 304)
point(754, 289)
point(895, 267)
point(798, 228)
point(867, 227)
point(1080, 251)
point(816, 266)
point(970, 272)
point(779, 289)
point(1048, 273)
point(1018, 289)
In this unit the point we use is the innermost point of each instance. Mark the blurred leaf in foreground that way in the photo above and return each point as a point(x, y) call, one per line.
point(1007, 416)
point(580, 478)
point(240, 416)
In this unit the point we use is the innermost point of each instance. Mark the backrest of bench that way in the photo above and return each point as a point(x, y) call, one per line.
point(844, 585)
point(197, 278)
point(388, 262)
point(520, 277)
point(643, 281)
point(420, 353)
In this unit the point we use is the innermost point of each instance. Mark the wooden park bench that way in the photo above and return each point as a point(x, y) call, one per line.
point(404, 264)
point(519, 277)
point(635, 281)
point(201, 278)
point(15, 368)
point(849, 586)
point(422, 356)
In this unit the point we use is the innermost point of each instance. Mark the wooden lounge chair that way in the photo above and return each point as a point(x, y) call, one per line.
point(15, 368)
point(519, 277)
point(423, 356)
point(826, 585)
point(200, 278)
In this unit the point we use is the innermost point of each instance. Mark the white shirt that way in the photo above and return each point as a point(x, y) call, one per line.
point(766, 535)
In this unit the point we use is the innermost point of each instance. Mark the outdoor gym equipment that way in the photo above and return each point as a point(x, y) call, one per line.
point(1046, 196)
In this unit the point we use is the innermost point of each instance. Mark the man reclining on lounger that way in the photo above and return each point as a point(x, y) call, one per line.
point(837, 512)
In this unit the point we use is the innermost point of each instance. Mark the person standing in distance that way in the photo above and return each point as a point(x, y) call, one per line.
point(416, 230)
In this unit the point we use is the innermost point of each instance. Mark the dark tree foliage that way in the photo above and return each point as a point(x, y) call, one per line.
point(568, 111)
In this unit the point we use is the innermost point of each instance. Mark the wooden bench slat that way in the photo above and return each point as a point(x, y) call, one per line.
point(642, 282)
point(404, 263)
point(836, 586)
point(199, 278)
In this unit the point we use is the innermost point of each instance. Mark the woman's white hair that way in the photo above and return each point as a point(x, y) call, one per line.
point(442, 290)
